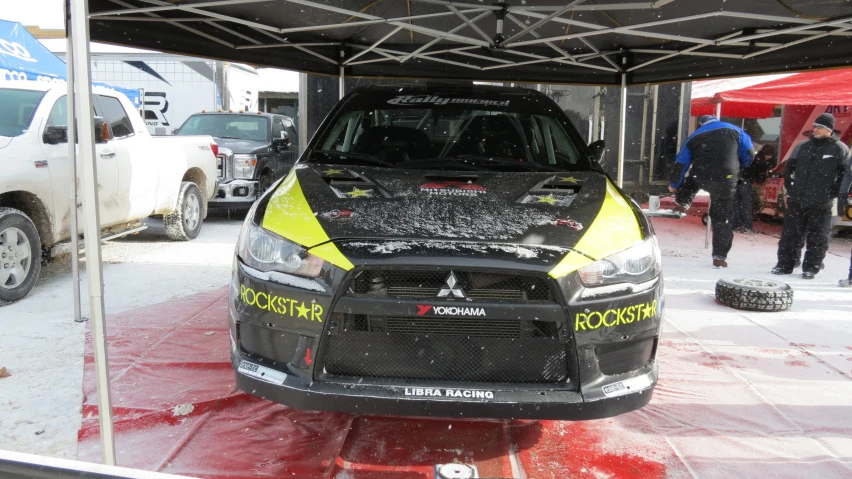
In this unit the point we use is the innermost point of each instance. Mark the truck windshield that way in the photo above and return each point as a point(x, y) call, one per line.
point(433, 134)
point(237, 127)
point(18, 108)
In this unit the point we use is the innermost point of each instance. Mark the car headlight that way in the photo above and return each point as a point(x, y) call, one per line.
point(634, 265)
point(266, 251)
point(244, 166)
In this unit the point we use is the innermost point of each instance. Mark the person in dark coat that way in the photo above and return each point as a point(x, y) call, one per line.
point(713, 156)
point(755, 174)
point(812, 178)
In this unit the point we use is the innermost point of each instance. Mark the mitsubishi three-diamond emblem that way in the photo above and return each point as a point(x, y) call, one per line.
point(451, 288)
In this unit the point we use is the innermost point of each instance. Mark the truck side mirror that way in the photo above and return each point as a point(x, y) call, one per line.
point(282, 143)
point(101, 130)
point(54, 135)
point(598, 148)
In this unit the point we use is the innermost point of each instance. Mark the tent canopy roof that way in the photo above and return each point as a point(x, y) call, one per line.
point(547, 41)
point(757, 100)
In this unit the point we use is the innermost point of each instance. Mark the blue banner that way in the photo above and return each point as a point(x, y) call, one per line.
point(24, 58)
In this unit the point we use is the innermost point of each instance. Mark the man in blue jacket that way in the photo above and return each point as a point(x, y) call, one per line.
point(713, 156)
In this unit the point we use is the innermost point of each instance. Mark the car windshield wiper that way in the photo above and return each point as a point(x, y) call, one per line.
point(356, 156)
point(487, 162)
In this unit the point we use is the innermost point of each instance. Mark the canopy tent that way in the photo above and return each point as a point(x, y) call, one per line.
point(758, 99)
point(22, 57)
point(621, 42)
point(547, 41)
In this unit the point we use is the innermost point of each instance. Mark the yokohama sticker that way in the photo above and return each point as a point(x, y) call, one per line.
point(450, 393)
point(262, 373)
point(423, 309)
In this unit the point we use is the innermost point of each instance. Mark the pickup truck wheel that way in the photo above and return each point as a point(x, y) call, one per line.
point(185, 222)
point(20, 255)
point(266, 180)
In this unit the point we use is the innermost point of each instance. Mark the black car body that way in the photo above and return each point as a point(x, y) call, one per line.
point(255, 149)
point(447, 251)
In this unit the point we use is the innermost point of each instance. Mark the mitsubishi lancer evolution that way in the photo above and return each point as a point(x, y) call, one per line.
point(447, 251)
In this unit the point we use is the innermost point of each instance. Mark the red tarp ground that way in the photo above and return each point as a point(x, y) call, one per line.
point(174, 356)
point(831, 87)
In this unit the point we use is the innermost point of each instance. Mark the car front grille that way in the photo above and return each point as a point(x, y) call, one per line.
point(445, 349)
point(475, 285)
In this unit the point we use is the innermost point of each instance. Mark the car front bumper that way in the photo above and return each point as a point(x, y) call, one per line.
point(235, 193)
point(278, 354)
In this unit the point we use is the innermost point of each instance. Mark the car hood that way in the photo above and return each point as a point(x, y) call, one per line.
point(318, 204)
point(241, 146)
point(4, 141)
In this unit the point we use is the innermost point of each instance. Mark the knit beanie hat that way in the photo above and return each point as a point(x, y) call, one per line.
point(825, 120)
point(708, 118)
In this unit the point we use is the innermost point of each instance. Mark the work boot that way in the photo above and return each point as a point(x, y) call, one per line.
point(845, 283)
point(680, 209)
point(808, 275)
point(719, 263)
point(779, 270)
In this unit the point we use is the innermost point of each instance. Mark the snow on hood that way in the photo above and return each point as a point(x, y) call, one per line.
point(503, 207)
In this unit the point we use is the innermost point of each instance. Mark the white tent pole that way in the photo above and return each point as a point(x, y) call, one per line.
point(719, 111)
point(342, 88)
point(622, 127)
point(72, 160)
point(79, 33)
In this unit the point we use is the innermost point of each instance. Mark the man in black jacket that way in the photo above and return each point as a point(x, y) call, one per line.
point(812, 178)
point(713, 156)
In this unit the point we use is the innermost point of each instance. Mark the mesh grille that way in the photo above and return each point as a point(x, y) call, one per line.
point(502, 351)
point(481, 286)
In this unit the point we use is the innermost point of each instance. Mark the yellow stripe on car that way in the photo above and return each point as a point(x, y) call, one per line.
point(615, 229)
point(289, 215)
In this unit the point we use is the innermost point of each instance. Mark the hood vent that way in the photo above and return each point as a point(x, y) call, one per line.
point(470, 179)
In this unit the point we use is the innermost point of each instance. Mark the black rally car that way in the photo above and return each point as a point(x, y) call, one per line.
point(447, 251)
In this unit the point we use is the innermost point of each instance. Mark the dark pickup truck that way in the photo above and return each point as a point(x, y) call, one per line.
point(255, 149)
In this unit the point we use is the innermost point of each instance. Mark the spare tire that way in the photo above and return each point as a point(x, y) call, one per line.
point(754, 294)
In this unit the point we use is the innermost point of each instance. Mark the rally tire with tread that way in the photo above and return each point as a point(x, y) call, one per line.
point(185, 222)
point(267, 179)
point(753, 294)
point(26, 234)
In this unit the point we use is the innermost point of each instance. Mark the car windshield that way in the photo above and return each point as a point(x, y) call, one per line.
point(237, 127)
point(18, 107)
point(466, 134)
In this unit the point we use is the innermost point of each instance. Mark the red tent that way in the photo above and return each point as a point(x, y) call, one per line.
point(830, 87)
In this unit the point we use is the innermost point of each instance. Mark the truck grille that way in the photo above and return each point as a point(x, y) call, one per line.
point(475, 285)
point(445, 349)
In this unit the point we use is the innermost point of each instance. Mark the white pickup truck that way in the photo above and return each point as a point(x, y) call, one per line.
point(138, 176)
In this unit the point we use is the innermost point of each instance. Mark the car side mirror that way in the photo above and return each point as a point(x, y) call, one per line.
point(54, 135)
point(282, 143)
point(598, 148)
point(101, 130)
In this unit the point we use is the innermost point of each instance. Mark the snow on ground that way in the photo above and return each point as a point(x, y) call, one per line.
point(740, 393)
point(42, 346)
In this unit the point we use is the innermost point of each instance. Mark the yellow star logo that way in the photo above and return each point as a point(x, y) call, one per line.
point(303, 311)
point(570, 179)
point(358, 193)
point(648, 312)
point(549, 199)
point(332, 171)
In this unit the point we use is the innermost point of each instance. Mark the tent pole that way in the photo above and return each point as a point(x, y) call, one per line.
point(342, 88)
point(79, 34)
point(621, 129)
point(72, 160)
point(719, 111)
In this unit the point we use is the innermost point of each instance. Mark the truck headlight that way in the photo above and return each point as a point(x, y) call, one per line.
point(265, 251)
point(638, 264)
point(244, 166)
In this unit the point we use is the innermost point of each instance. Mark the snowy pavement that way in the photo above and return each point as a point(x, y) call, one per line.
point(42, 347)
point(741, 394)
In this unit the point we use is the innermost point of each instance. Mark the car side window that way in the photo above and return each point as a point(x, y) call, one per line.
point(59, 113)
point(115, 115)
